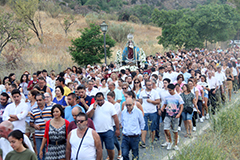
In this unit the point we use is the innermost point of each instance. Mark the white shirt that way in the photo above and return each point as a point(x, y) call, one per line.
point(220, 77)
point(234, 71)
point(102, 117)
point(21, 111)
point(213, 83)
point(163, 94)
point(149, 107)
point(93, 92)
point(172, 76)
point(6, 147)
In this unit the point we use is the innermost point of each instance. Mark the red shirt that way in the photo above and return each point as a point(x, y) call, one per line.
point(73, 125)
point(31, 82)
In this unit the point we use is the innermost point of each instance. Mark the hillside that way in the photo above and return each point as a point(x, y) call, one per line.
point(52, 53)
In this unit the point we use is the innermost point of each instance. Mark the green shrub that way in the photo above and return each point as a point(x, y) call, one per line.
point(119, 32)
point(134, 19)
point(106, 16)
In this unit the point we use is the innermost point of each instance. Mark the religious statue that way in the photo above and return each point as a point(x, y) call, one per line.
point(131, 51)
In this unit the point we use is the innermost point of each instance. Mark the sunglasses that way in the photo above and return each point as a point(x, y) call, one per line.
point(137, 82)
point(81, 121)
point(124, 88)
point(128, 105)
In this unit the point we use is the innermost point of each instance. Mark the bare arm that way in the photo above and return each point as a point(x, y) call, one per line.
point(119, 101)
point(68, 147)
point(91, 112)
point(155, 102)
point(123, 104)
point(180, 112)
point(140, 101)
point(115, 117)
point(44, 140)
point(140, 107)
point(98, 145)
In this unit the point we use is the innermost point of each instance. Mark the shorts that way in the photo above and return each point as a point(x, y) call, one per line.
point(186, 116)
point(108, 139)
point(150, 119)
point(29, 129)
point(205, 95)
point(170, 121)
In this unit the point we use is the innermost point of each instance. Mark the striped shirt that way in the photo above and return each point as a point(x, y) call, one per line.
point(40, 117)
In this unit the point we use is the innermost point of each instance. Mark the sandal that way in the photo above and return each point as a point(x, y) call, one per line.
point(190, 136)
point(186, 135)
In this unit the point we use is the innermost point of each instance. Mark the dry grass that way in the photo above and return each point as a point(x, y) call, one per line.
point(52, 53)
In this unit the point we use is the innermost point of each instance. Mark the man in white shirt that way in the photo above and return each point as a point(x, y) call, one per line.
point(212, 88)
point(16, 112)
point(149, 98)
point(103, 113)
point(221, 77)
point(6, 128)
point(170, 74)
point(91, 91)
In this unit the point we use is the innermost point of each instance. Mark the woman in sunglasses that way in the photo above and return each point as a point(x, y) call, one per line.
point(125, 87)
point(137, 88)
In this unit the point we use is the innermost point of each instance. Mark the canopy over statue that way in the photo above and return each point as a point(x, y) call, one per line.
point(131, 51)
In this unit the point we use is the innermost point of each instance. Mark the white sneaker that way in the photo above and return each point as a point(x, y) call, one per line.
point(207, 116)
point(169, 146)
point(203, 117)
point(164, 144)
point(179, 128)
point(201, 120)
point(176, 148)
point(194, 129)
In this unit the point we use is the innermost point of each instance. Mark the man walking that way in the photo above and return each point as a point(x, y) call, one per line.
point(103, 113)
point(149, 98)
point(72, 101)
point(174, 106)
point(83, 142)
point(40, 115)
point(3, 104)
point(16, 112)
point(131, 131)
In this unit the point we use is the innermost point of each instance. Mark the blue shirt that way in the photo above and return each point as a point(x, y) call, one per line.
point(61, 102)
point(133, 122)
point(186, 76)
point(68, 112)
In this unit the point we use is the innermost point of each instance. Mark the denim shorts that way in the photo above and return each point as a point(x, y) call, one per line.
point(151, 120)
point(186, 116)
point(108, 139)
point(170, 121)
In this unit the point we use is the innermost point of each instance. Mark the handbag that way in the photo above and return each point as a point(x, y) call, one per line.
point(189, 110)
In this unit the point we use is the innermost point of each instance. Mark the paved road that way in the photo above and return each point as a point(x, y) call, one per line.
point(156, 152)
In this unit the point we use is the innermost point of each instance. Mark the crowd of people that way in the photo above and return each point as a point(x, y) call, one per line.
point(71, 115)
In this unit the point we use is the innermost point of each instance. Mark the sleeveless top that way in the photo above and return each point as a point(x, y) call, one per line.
point(44, 89)
point(87, 150)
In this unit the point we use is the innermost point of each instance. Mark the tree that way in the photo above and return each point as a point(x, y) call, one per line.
point(88, 48)
point(11, 30)
point(25, 11)
point(187, 28)
point(67, 22)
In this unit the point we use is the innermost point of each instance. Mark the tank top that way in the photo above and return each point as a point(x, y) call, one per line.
point(44, 89)
point(87, 150)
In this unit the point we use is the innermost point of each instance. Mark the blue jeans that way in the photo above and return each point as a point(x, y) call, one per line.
point(108, 139)
point(152, 118)
point(130, 143)
point(38, 145)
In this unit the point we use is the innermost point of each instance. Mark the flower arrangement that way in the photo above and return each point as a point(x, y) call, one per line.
point(118, 60)
point(142, 58)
